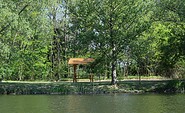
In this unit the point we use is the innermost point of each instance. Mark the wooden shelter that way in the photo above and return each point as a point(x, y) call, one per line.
point(77, 61)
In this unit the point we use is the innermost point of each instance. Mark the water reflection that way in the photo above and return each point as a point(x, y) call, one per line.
point(24, 104)
point(122, 103)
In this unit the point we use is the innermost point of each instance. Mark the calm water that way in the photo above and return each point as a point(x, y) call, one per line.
point(122, 103)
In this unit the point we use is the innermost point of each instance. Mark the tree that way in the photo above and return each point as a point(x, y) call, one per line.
point(58, 15)
point(173, 17)
point(24, 31)
point(109, 26)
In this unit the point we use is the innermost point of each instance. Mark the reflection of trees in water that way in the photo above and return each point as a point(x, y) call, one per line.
point(114, 103)
point(24, 104)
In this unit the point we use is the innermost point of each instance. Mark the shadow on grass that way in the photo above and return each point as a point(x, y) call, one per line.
point(63, 88)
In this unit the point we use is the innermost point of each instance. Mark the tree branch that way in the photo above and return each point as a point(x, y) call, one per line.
point(7, 25)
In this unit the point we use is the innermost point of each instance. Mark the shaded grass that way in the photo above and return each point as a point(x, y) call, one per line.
point(63, 88)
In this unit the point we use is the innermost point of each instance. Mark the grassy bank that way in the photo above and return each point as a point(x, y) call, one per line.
point(132, 86)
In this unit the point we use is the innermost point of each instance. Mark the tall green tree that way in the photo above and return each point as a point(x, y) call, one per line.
point(25, 32)
point(58, 55)
point(108, 26)
point(173, 17)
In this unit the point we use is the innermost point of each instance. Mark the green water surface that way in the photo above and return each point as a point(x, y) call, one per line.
point(117, 103)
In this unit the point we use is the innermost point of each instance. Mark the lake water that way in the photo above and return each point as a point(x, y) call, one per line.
point(118, 103)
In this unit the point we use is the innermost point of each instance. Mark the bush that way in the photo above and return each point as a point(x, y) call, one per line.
point(174, 86)
point(180, 69)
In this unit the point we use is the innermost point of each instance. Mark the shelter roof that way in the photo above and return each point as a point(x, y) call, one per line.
point(80, 60)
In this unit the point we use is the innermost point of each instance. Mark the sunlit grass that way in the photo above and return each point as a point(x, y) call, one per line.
point(142, 77)
point(96, 79)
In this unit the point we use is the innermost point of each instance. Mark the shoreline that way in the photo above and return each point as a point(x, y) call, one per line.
point(80, 88)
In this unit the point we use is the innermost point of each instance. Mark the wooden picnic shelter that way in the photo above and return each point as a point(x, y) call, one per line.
point(78, 61)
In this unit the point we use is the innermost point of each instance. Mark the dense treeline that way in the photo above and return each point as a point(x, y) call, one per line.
point(126, 37)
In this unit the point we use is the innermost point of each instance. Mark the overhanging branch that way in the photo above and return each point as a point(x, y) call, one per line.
point(8, 24)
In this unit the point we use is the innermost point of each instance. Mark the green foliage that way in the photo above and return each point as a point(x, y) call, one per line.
point(128, 36)
point(106, 28)
point(174, 86)
point(180, 69)
point(172, 50)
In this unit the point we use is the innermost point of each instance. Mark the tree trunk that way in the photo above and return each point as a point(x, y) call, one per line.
point(113, 73)
point(113, 51)
point(113, 66)
point(55, 48)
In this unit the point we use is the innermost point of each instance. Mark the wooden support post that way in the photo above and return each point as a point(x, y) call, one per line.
point(91, 77)
point(74, 77)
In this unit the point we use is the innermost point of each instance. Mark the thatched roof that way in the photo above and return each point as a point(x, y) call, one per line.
point(80, 60)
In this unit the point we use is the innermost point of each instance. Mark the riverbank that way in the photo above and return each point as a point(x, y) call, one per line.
point(64, 88)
